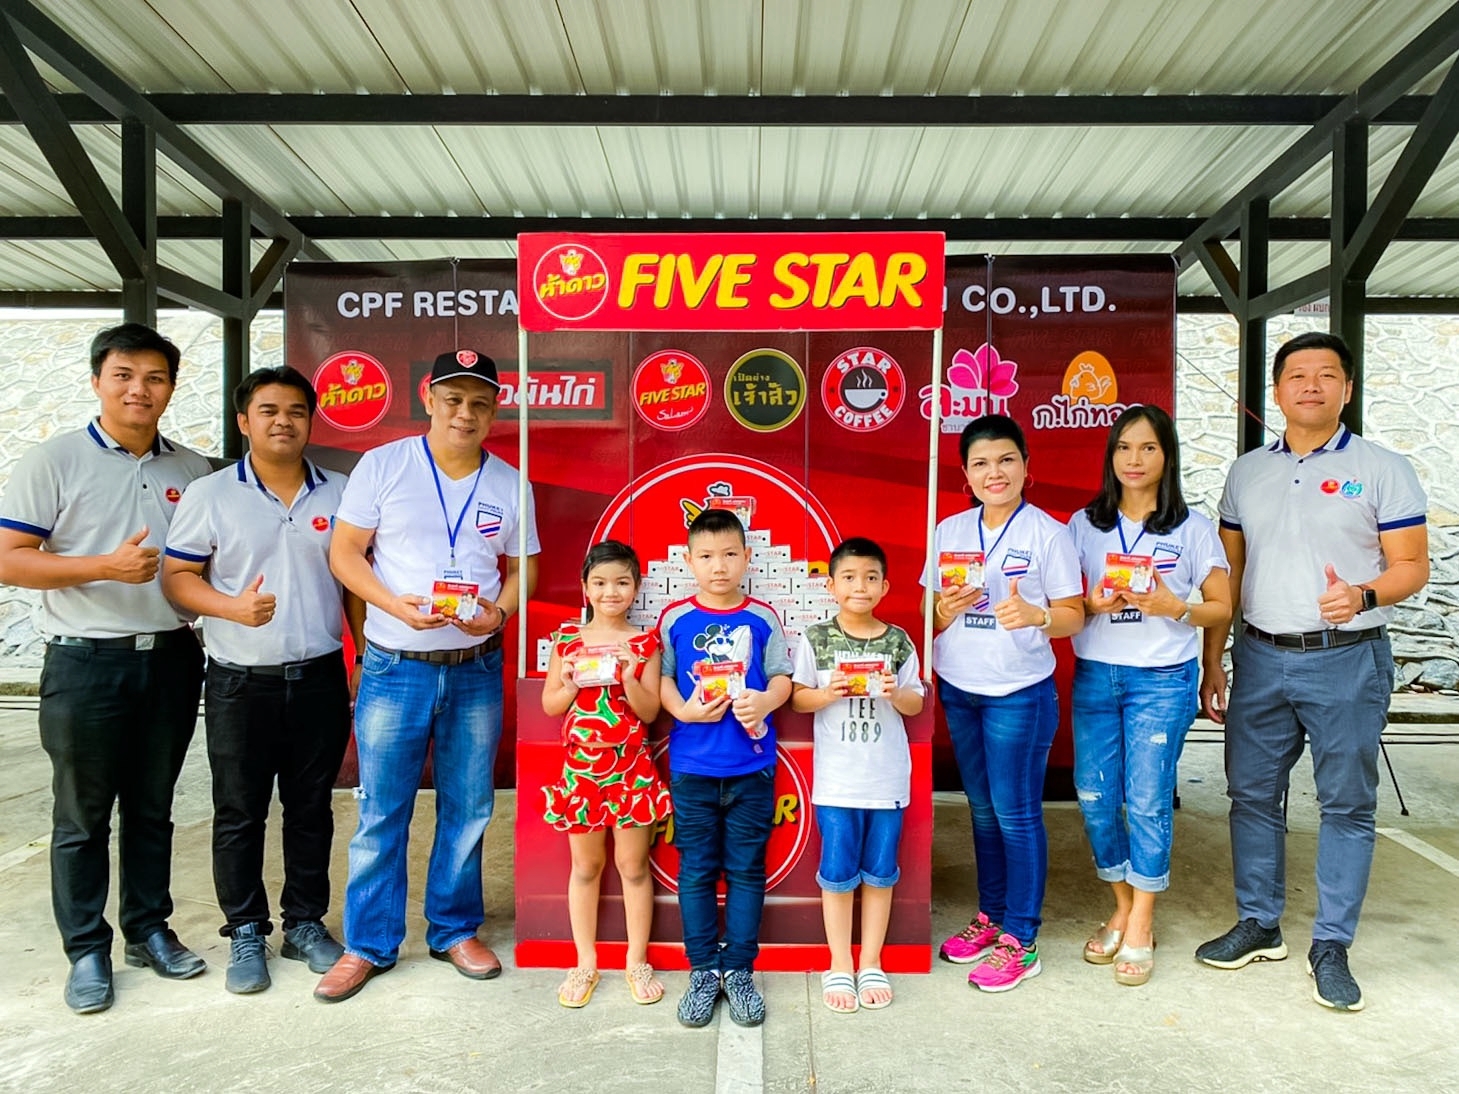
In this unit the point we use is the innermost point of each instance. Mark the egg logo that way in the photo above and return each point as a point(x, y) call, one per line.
point(1091, 377)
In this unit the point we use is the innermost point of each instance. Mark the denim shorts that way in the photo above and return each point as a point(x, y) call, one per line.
point(858, 847)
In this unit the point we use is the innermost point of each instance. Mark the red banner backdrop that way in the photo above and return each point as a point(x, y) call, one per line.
point(632, 432)
point(743, 282)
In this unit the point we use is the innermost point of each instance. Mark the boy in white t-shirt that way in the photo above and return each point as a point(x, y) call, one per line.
point(859, 676)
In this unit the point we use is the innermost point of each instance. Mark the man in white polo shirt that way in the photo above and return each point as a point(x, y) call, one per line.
point(438, 514)
point(1325, 531)
point(249, 552)
point(84, 519)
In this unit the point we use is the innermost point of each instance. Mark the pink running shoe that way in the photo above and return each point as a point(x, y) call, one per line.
point(1007, 967)
point(972, 942)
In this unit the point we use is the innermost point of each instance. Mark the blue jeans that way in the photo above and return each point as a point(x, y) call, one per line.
point(1129, 728)
point(404, 707)
point(858, 847)
point(721, 827)
point(1001, 743)
point(1339, 698)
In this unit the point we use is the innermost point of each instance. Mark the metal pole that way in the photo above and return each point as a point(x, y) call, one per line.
point(521, 502)
point(932, 446)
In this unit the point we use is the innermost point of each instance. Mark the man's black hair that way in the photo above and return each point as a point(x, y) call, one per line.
point(131, 338)
point(285, 375)
point(1315, 339)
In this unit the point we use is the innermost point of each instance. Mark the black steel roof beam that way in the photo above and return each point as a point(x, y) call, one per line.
point(100, 211)
point(1416, 164)
point(1222, 271)
point(1430, 48)
point(1033, 229)
point(47, 40)
point(192, 293)
point(811, 111)
point(1291, 296)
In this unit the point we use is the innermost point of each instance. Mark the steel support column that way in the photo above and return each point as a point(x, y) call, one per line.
point(1251, 378)
point(139, 206)
point(237, 274)
point(1347, 296)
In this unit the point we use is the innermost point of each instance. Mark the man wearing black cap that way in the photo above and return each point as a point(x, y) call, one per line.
point(420, 532)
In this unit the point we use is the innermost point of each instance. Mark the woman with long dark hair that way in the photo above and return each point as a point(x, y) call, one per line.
point(1144, 554)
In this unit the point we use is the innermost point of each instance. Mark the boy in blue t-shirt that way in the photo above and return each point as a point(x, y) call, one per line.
point(726, 668)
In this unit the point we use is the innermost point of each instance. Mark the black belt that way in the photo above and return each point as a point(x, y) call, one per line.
point(137, 642)
point(1317, 640)
point(446, 657)
point(289, 670)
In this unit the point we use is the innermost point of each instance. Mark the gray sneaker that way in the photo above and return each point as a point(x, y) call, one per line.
point(696, 1007)
point(1244, 943)
point(248, 961)
point(746, 1004)
point(1333, 984)
point(311, 941)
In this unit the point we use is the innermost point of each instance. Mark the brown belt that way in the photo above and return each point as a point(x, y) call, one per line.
point(447, 657)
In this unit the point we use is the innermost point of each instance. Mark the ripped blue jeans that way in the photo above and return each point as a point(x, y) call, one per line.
point(1129, 727)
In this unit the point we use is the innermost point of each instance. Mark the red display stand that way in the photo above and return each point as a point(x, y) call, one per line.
point(792, 936)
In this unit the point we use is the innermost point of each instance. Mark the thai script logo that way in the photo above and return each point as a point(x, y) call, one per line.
point(765, 390)
point(1089, 399)
point(354, 390)
point(978, 382)
point(571, 282)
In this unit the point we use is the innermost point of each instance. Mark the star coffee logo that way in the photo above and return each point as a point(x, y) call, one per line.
point(671, 390)
point(570, 281)
point(354, 390)
point(863, 389)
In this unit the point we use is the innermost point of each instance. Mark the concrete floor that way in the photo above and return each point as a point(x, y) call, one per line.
point(424, 1028)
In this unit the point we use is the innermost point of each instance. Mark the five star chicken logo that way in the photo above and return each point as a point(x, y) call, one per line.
point(571, 282)
point(173, 494)
point(320, 524)
point(670, 390)
point(354, 390)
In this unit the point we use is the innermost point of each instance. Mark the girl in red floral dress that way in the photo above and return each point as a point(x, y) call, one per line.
point(604, 677)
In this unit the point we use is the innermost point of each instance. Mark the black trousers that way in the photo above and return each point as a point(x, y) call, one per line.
point(261, 728)
point(116, 725)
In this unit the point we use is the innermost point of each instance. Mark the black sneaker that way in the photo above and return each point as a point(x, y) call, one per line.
point(696, 1007)
point(248, 960)
point(1244, 943)
point(1333, 985)
point(311, 941)
point(746, 1004)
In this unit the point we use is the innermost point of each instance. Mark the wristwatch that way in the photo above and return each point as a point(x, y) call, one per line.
point(1370, 598)
point(1048, 620)
point(1185, 616)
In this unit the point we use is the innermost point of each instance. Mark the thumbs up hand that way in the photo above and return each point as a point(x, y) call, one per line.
point(1016, 613)
point(133, 563)
point(253, 608)
point(1341, 601)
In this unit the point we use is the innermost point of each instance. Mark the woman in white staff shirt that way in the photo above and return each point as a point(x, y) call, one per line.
point(1012, 584)
point(1135, 680)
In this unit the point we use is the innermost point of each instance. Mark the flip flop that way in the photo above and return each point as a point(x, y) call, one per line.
point(1108, 939)
point(579, 979)
point(641, 984)
point(841, 983)
point(869, 979)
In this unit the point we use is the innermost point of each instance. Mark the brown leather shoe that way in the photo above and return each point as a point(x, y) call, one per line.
point(349, 975)
point(472, 957)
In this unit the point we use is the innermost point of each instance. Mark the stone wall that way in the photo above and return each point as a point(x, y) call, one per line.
point(1412, 407)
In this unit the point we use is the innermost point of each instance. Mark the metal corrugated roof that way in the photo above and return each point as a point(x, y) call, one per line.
point(732, 47)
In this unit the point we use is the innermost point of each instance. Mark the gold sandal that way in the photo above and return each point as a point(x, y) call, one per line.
point(1142, 958)
point(1108, 939)
point(641, 984)
point(578, 980)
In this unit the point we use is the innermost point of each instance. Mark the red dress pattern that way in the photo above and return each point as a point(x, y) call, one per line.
point(608, 778)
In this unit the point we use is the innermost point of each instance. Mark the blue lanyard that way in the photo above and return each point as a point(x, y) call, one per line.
point(1129, 548)
point(452, 531)
point(988, 555)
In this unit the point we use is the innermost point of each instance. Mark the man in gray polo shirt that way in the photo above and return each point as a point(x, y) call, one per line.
point(84, 519)
point(249, 552)
point(1325, 531)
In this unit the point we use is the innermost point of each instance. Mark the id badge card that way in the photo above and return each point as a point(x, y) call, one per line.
point(454, 594)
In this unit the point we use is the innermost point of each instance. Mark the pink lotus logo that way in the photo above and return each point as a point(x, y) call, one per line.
point(977, 383)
